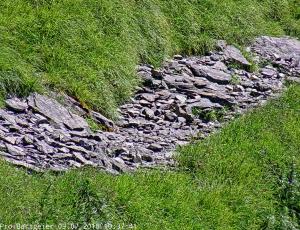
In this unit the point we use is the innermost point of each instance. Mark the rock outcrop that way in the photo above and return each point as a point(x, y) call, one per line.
point(188, 97)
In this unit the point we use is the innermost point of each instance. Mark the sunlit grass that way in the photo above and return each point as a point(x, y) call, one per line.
point(89, 48)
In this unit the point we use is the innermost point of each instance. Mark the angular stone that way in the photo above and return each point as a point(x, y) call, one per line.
point(163, 94)
point(147, 96)
point(220, 66)
point(149, 113)
point(128, 157)
point(157, 73)
point(181, 119)
point(75, 164)
point(22, 123)
point(181, 98)
point(204, 103)
point(83, 134)
point(69, 103)
point(51, 109)
point(147, 158)
point(132, 112)
point(171, 117)
point(7, 117)
point(23, 164)
point(234, 55)
point(120, 150)
point(44, 147)
point(239, 88)
point(15, 150)
point(99, 118)
point(155, 147)
point(268, 72)
point(62, 155)
point(218, 97)
point(221, 44)
point(144, 102)
point(9, 139)
point(144, 68)
point(178, 57)
point(215, 57)
point(82, 159)
point(211, 74)
point(41, 119)
point(16, 104)
point(180, 111)
point(146, 77)
point(28, 139)
point(58, 168)
point(178, 82)
point(119, 165)
point(215, 87)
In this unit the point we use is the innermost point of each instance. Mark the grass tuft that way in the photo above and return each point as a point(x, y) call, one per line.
point(90, 48)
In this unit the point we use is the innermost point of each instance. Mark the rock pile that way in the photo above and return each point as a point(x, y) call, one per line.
point(188, 97)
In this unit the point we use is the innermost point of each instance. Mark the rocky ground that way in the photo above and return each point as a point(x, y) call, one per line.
point(188, 97)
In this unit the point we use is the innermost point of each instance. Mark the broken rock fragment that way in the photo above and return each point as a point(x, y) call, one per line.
point(16, 104)
point(54, 111)
point(211, 74)
point(232, 54)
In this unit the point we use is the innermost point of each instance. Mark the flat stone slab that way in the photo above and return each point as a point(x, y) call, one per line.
point(16, 104)
point(277, 48)
point(235, 55)
point(211, 74)
point(53, 110)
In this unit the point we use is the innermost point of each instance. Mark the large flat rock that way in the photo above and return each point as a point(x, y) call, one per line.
point(54, 111)
point(283, 52)
point(277, 48)
point(214, 75)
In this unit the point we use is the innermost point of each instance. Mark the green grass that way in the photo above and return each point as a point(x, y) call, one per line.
point(244, 177)
point(89, 48)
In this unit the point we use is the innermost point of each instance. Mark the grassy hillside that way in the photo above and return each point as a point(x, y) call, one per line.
point(245, 177)
point(89, 48)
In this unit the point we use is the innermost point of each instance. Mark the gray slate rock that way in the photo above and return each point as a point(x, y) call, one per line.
point(15, 150)
point(211, 74)
point(268, 72)
point(16, 104)
point(99, 118)
point(51, 109)
point(204, 103)
point(155, 147)
point(233, 54)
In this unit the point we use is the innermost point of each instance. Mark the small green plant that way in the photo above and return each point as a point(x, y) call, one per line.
point(289, 196)
point(88, 206)
point(215, 114)
point(250, 58)
point(196, 111)
point(264, 62)
point(253, 67)
point(235, 65)
point(211, 115)
point(94, 126)
point(235, 79)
